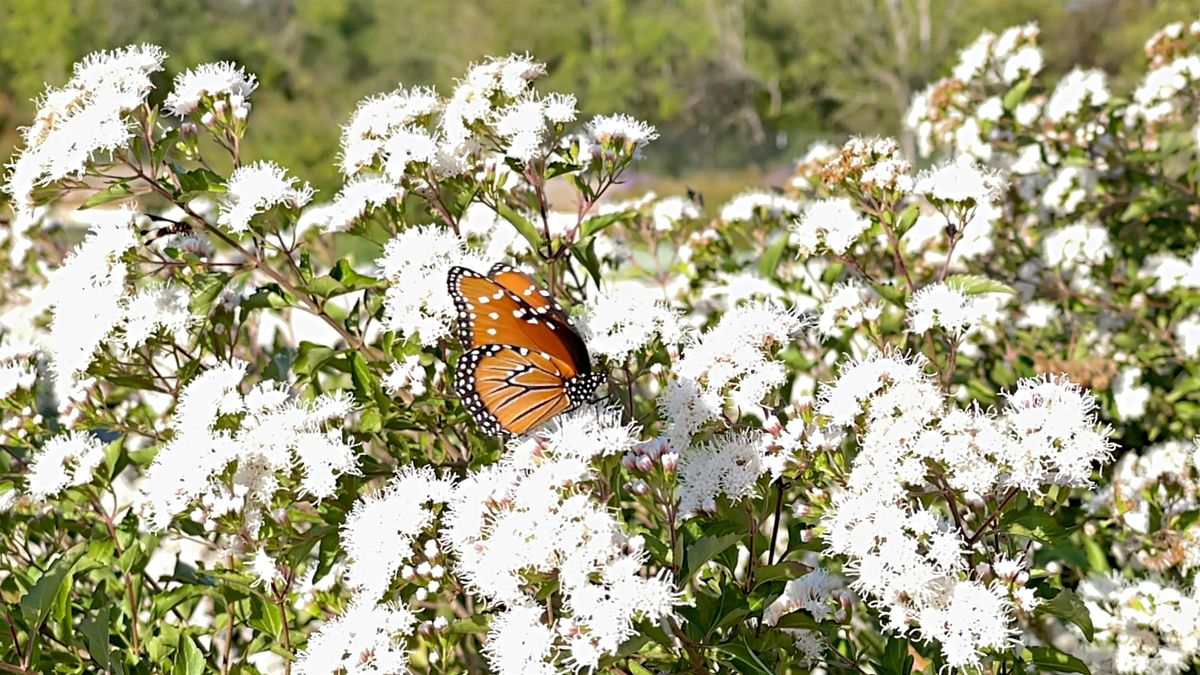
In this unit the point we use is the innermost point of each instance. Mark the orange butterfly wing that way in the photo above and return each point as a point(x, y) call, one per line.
point(523, 286)
point(512, 389)
point(490, 313)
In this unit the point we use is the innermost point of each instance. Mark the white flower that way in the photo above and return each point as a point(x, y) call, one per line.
point(960, 180)
point(811, 592)
point(730, 360)
point(1037, 314)
point(990, 110)
point(746, 205)
point(17, 369)
point(1173, 272)
point(1129, 398)
point(160, 307)
point(620, 129)
point(972, 618)
point(82, 119)
point(64, 461)
point(405, 147)
point(85, 295)
point(670, 211)
point(209, 80)
point(380, 531)
point(376, 118)
point(1187, 332)
point(1077, 247)
point(277, 434)
point(366, 639)
point(973, 58)
point(627, 317)
point(948, 307)
point(848, 306)
point(360, 194)
point(255, 188)
point(1153, 625)
point(1077, 88)
point(519, 643)
point(1069, 188)
point(728, 466)
point(1026, 61)
point(264, 568)
point(832, 222)
point(416, 262)
point(406, 375)
point(1056, 431)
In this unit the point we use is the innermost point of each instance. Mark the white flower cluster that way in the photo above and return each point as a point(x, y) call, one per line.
point(1172, 272)
point(83, 118)
point(276, 433)
point(527, 515)
point(729, 465)
point(947, 306)
point(416, 262)
point(212, 85)
point(944, 115)
point(907, 560)
point(815, 593)
point(959, 181)
point(832, 223)
point(366, 639)
point(64, 461)
point(849, 305)
point(1169, 83)
point(17, 369)
point(748, 205)
point(1077, 248)
point(1076, 89)
point(627, 317)
point(732, 359)
point(1154, 626)
point(255, 188)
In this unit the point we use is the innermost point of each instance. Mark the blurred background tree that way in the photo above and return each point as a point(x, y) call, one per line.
point(736, 87)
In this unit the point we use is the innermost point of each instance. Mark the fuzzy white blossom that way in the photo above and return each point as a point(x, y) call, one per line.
point(83, 119)
point(406, 374)
point(416, 262)
point(1076, 89)
point(849, 305)
point(162, 307)
point(377, 118)
point(1155, 626)
point(366, 639)
point(278, 434)
point(960, 180)
point(64, 461)
point(359, 195)
point(86, 296)
point(212, 81)
point(746, 206)
point(17, 368)
point(948, 307)
point(728, 466)
point(669, 212)
point(732, 360)
point(627, 317)
point(833, 223)
point(380, 531)
point(1077, 247)
point(622, 130)
point(255, 188)
point(812, 592)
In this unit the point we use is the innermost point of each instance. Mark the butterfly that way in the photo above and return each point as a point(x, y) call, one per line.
point(524, 361)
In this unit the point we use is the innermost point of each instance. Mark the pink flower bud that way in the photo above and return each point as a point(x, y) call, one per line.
point(207, 119)
point(629, 461)
point(638, 487)
point(644, 463)
point(709, 506)
point(670, 462)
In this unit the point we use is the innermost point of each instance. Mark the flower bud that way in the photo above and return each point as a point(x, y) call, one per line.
point(219, 105)
point(407, 573)
point(208, 119)
point(434, 586)
point(644, 463)
point(709, 506)
point(638, 487)
point(670, 462)
point(421, 594)
point(241, 113)
point(629, 461)
point(440, 623)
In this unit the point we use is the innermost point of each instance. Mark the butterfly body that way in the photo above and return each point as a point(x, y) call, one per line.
point(524, 361)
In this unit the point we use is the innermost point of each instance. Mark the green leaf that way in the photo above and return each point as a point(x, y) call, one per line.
point(892, 293)
point(200, 180)
point(526, 228)
point(208, 287)
point(37, 603)
point(1067, 605)
point(771, 257)
point(636, 668)
point(704, 549)
point(94, 628)
point(743, 659)
point(1034, 524)
point(1049, 658)
point(585, 253)
point(895, 660)
point(907, 218)
point(112, 193)
point(1015, 95)
point(477, 623)
point(189, 660)
point(973, 284)
point(265, 616)
point(360, 373)
point(598, 223)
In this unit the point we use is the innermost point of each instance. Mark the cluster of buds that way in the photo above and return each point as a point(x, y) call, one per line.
point(806, 177)
point(871, 168)
point(432, 626)
point(1012, 573)
point(648, 458)
point(227, 112)
point(1173, 41)
point(430, 573)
